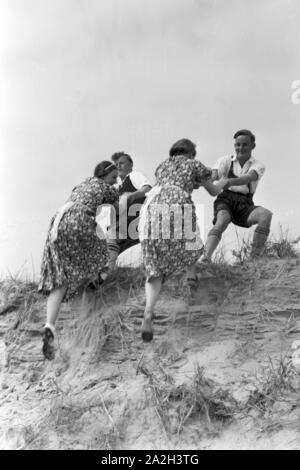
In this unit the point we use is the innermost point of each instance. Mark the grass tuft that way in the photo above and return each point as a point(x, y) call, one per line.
point(200, 401)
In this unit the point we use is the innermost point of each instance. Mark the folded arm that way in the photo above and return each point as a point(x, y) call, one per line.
point(246, 179)
point(138, 194)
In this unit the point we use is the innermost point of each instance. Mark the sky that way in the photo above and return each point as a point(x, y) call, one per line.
point(82, 79)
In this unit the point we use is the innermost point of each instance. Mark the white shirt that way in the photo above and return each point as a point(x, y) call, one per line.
point(137, 179)
point(223, 167)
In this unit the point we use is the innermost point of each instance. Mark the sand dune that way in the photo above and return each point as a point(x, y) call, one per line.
point(218, 374)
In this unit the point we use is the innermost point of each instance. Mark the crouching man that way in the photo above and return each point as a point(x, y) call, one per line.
point(235, 203)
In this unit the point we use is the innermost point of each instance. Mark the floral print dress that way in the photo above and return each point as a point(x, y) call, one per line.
point(78, 254)
point(168, 228)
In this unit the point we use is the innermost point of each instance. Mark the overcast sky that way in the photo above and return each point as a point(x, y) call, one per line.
point(81, 79)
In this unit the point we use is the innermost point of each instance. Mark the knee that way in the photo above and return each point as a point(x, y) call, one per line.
point(223, 220)
point(264, 218)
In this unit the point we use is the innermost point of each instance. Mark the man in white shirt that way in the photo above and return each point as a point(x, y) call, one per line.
point(133, 185)
point(235, 203)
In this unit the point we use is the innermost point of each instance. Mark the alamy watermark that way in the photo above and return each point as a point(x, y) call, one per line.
point(295, 97)
point(157, 221)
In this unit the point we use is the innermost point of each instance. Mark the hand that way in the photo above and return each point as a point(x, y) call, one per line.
point(221, 184)
point(227, 183)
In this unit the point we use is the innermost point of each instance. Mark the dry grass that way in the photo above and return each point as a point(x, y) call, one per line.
point(277, 246)
point(125, 278)
point(277, 379)
point(17, 294)
point(199, 402)
point(280, 246)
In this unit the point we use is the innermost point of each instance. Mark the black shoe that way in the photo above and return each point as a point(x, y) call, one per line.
point(48, 344)
point(96, 283)
point(147, 329)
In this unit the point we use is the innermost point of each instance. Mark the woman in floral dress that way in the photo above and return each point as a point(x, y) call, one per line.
point(74, 252)
point(171, 241)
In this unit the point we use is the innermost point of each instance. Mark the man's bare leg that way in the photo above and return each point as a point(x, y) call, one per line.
point(215, 234)
point(262, 217)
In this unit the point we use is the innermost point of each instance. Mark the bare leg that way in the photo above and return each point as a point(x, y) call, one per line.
point(152, 288)
point(215, 234)
point(262, 217)
point(53, 306)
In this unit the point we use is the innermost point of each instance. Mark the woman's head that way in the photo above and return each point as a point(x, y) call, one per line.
point(183, 147)
point(107, 171)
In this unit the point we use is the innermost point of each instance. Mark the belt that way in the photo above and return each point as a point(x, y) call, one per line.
point(237, 193)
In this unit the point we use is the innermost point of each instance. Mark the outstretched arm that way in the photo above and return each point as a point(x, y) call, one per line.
point(215, 188)
point(214, 175)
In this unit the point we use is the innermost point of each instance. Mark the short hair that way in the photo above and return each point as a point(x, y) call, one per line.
point(183, 147)
point(104, 168)
point(245, 132)
point(115, 157)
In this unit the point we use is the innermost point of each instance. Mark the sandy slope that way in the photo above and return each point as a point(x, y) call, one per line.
point(217, 376)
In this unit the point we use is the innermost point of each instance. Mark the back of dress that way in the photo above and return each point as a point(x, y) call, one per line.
point(183, 172)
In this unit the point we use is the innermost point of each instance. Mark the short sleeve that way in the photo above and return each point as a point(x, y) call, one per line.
point(111, 195)
point(222, 165)
point(201, 172)
point(259, 168)
point(139, 180)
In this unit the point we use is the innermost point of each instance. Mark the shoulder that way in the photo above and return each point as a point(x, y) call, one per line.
point(258, 163)
point(138, 179)
point(90, 181)
point(197, 164)
point(95, 184)
point(224, 160)
point(223, 163)
point(258, 166)
point(201, 171)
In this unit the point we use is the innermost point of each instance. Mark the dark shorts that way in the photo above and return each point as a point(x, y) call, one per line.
point(238, 205)
point(132, 238)
point(125, 244)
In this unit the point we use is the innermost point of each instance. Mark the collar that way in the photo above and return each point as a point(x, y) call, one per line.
point(120, 181)
point(250, 160)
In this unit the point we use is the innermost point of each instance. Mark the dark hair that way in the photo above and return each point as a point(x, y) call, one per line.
point(115, 157)
point(245, 132)
point(104, 168)
point(183, 147)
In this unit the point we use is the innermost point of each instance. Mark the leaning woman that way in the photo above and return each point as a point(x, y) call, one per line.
point(74, 254)
point(169, 249)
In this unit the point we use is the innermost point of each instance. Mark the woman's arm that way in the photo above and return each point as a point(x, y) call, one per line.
point(214, 175)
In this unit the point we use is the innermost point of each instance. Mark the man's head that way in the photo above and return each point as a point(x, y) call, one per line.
point(123, 162)
point(244, 143)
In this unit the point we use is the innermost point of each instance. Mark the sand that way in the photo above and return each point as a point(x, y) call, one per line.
point(218, 374)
